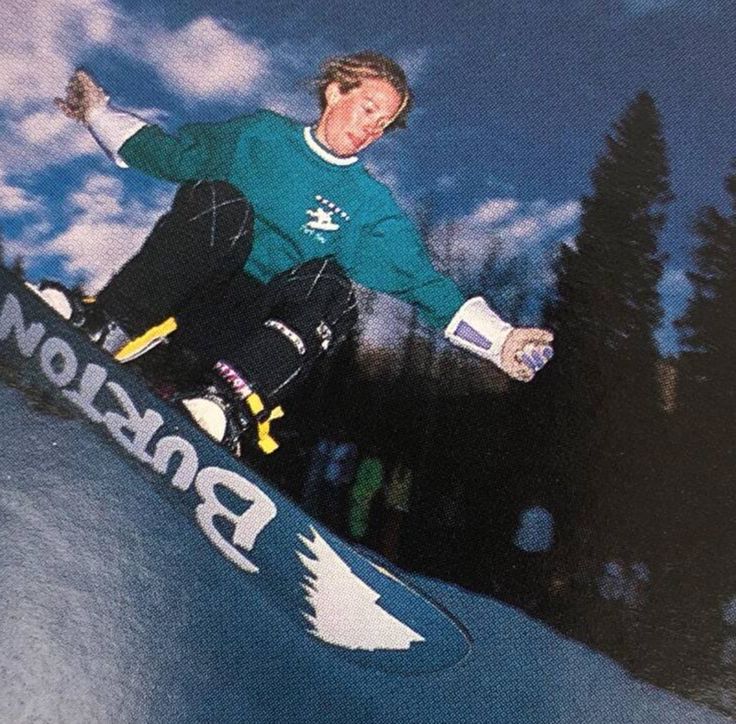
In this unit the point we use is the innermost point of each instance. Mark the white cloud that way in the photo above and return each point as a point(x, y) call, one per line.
point(39, 40)
point(509, 246)
point(47, 138)
point(39, 229)
point(106, 229)
point(40, 45)
point(205, 59)
point(42, 126)
point(300, 105)
point(562, 215)
point(15, 200)
point(100, 198)
point(506, 230)
point(382, 164)
point(414, 63)
point(42, 42)
point(512, 221)
point(493, 211)
point(150, 113)
point(570, 241)
point(523, 228)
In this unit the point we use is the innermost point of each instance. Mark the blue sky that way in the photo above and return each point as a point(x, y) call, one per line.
point(513, 101)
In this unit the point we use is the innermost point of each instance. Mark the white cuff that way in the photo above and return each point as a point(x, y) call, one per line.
point(111, 128)
point(477, 328)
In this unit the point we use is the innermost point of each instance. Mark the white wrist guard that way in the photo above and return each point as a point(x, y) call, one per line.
point(111, 128)
point(477, 328)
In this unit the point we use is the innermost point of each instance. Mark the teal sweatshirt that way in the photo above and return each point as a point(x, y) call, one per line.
point(306, 206)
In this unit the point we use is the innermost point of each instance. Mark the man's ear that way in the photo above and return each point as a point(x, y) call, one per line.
point(332, 93)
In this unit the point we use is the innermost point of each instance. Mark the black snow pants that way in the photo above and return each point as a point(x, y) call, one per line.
point(191, 267)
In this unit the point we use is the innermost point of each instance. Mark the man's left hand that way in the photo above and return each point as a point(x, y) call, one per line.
point(83, 95)
point(525, 351)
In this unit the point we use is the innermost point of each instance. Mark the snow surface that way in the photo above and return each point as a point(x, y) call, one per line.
point(116, 608)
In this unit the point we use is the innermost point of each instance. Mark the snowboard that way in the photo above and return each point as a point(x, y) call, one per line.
point(356, 605)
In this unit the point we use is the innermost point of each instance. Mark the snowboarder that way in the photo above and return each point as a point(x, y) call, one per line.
point(273, 221)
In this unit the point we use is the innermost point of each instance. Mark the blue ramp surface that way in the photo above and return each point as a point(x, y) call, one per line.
point(148, 576)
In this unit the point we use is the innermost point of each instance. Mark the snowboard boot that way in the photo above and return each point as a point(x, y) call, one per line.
point(82, 312)
point(229, 410)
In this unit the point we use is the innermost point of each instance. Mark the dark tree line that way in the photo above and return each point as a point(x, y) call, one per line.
point(601, 394)
point(18, 265)
point(632, 453)
point(706, 396)
point(702, 506)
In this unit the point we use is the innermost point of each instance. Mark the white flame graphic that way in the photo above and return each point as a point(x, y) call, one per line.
point(345, 610)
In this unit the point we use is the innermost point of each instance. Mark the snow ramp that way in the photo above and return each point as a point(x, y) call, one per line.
point(149, 576)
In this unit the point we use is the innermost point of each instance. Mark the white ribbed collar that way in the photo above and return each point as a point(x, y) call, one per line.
point(323, 153)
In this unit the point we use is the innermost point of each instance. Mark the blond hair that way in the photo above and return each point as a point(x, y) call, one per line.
point(349, 71)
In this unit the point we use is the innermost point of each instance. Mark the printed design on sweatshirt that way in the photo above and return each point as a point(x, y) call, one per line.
point(325, 217)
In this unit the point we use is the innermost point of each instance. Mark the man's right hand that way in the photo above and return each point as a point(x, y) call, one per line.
point(525, 351)
point(83, 95)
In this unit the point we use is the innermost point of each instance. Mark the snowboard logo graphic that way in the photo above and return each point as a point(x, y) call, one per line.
point(321, 218)
point(346, 610)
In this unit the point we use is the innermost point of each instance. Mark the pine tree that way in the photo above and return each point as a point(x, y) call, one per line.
point(707, 331)
point(706, 399)
point(602, 386)
point(18, 267)
point(701, 501)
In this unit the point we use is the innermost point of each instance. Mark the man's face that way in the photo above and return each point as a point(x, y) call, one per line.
point(353, 120)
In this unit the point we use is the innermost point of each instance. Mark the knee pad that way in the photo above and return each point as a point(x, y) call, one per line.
point(201, 193)
point(289, 333)
point(316, 301)
point(324, 270)
point(319, 341)
point(216, 205)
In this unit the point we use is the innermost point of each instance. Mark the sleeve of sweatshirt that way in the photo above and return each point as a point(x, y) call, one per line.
point(197, 151)
point(393, 259)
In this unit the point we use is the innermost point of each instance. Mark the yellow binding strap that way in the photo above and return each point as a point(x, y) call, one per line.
point(140, 345)
point(266, 441)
